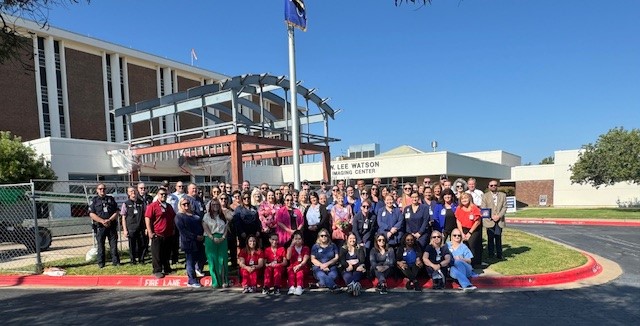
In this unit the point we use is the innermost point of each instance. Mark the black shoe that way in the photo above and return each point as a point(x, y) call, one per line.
point(499, 257)
point(158, 275)
point(100, 265)
point(116, 264)
point(417, 285)
point(383, 289)
point(409, 285)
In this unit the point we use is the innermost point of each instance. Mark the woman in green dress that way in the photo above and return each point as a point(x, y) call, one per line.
point(215, 244)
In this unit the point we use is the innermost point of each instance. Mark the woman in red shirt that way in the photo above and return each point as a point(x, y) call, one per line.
point(298, 256)
point(251, 262)
point(275, 261)
point(470, 225)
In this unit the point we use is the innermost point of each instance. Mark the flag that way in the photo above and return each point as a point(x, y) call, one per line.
point(193, 54)
point(295, 14)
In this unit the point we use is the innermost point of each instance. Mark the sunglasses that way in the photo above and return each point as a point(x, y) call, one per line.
point(493, 185)
point(364, 206)
point(162, 194)
point(436, 237)
point(263, 188)
point(184, 204)
point(456, 235)
point(364, 193)
point(458, 186)
point(381, 240)
point(243, 198)
point(142, 187)
point(222, 198)
point(323, 235)
point(288, 200)
point(407, 188)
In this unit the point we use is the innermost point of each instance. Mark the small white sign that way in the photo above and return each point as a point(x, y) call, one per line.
point(511, 204)
point(542, 201)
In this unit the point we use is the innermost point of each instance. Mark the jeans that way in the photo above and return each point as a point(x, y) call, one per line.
point(353, 276)
point(326, 279)
point(191, 258)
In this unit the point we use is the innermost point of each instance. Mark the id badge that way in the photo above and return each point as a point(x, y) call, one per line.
point(299, 259)
point(430, 212)
point(105, 209)
point(471, 217)
point(135, 211)
point(407, 215)
point(251, 262)
point(320, 250)
point(443, 212)
point(384, 214)
point(365, 225)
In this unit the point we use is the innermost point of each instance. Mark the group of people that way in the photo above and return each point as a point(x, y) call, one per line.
point(278, 235)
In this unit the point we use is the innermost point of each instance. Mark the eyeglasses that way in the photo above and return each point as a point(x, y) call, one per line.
point(493, 185)
point(456, 235)
point(407, 188)
point(263, 188)
point(364, 206)
point(162, 194)
point(394, 181)
point(381, 240)
point(458, 186)
point(100, 188)
point(243, 198)
point(222, 198)
point(288, 200)
point(184, 204)
point(364, 193)
point(436, 237)
point(142, 187)
point(334, 190)
point(322, 235)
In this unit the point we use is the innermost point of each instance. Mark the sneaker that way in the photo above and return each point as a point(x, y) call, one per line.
point(246, 289)
point(199, 273)
point(265, 291)
point(357, 288)
point(350, 288)
point(383, 289)
point(417, 286)
point(195, 285)
point(334, 289)
point(292, 290)
point(276, 291)
point(298, 290)
point(158, 275)
point(252, 289)
point(469, 288)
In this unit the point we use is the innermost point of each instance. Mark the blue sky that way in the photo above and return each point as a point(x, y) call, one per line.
point(527, 77)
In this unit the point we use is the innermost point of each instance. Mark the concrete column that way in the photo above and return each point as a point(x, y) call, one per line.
point(52, 86)
point(116, 95)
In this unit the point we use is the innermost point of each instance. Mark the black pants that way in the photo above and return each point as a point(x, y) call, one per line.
point(411, 272)
point(494, 241)
point(475, 245)
point(232, 244)
point(137, 247)
point(175, 246)
point(102, 234)
point(161, 253)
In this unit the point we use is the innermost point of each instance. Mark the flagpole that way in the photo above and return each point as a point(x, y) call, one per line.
point(295, 130)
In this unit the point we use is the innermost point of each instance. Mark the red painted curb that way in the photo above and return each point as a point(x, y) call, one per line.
point(573, 222)
point(591, 268)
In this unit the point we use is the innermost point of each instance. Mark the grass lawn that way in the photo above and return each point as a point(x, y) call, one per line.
point(527, 254)
point(599, 213)
point(523, 253)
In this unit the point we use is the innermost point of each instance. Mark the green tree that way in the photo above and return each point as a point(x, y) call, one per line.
point(20, 163)
point(547, 160)
point(13, 43)
point(615, 157)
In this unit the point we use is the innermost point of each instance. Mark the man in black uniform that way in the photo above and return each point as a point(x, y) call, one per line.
point(145, 199)
point(104, 214)
point(133, 225)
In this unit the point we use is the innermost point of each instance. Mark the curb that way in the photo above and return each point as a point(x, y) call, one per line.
point(590, 269)
point(621, 223)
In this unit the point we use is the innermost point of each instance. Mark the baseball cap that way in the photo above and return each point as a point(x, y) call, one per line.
point(444, 176)
point(165, 183)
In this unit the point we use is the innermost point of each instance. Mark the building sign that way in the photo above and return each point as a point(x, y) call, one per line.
point(355, 170)
point(511, 204)
point(542, 201)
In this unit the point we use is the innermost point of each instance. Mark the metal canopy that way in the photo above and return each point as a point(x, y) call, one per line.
point(217, 96)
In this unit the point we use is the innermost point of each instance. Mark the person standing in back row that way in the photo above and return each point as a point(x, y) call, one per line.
point(497, 202)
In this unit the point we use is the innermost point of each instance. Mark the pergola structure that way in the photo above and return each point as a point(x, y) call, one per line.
point(257, 136)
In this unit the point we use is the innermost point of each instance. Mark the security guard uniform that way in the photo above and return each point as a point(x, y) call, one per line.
point(105, 207)
point(134, 220)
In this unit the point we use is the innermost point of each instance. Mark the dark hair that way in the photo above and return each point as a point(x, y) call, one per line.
point(403, 242)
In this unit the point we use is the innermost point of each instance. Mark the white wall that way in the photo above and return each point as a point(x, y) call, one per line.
point(566, 194)
point(499, 157)
point(533, 172)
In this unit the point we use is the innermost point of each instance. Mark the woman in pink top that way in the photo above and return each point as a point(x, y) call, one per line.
point(342, 216)
point(267, 214)
point(288, 219)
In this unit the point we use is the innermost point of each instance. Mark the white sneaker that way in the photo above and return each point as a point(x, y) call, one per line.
point(298, 291)
point(195, 285)
point(292, 290)
point(199, 273)
point(469, 288)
